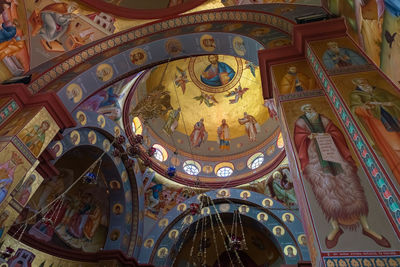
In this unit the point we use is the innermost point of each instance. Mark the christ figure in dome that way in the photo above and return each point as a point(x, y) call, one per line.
point(217, 73)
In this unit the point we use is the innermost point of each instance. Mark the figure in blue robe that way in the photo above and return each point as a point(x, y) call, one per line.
point(217, 73)
point(337, 57)
point(7, 33)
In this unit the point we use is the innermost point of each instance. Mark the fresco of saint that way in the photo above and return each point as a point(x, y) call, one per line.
point(295, 81)
point(199, 134)
point(337, 57)
point(172, 121)
point(217, 73)
point(51, 23)
point(282, 189)
point(378, 111)
point(252, 126)
point(25, 192)
point(7, 170)
point(334, 180)
point(34, 138)
point(223, 136)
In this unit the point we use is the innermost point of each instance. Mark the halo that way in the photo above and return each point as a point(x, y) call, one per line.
point(280, 227)
point(290, 246)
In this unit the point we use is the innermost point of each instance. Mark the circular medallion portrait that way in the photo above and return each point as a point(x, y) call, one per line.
point(162, 252)
point(238, 46)
point(138, 56)
point(290, 251)
point(114, 235)
point(223, 193)
point(92, 137)
point(149, 243)
point(115, 185)
point(101, 121)
point(104, 72)
point(181, 207)
point(74, 92)
point(302, 240)
point(118, 209)
point(262, 217)
point(244, 209)
point(188, 219)
point(124, 175)
point(173, 234)
point(173, 47)
point(288, 217)
point(207, 43)
point(117, 131)
point(205, 211)
point(215, 73)
point(81, 117)
point(278, 230)
point(163, 223)
point(106, 145)
point(245, 194)
point(267, 202)
point(58, 148)
point(75, 137)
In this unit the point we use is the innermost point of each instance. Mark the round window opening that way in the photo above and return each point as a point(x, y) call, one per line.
point(257, 162)
point(191, 167)
point(224, 172)
point(137, 126)
point(160, 154)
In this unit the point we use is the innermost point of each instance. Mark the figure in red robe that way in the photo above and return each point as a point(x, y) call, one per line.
point(334, 182)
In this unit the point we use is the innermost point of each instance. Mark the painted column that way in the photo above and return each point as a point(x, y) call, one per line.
point(27, 125)
point(347, 195)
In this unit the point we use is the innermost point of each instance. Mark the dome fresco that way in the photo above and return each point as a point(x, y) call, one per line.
point(205, 109)
point(173, 98)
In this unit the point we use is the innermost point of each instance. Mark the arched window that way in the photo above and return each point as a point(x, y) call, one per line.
point(224, 172)
point(279, 142)
point(137, 126)
point(255, 161)
point(224, 169)
point(161, 154)
point(191, 167)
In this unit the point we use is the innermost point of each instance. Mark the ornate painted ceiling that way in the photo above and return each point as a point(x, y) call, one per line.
point(185, 87)
point(204, 114)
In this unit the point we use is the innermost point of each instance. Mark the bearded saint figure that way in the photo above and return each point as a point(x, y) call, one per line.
point(252, 126)
point(199, 134)
point(334, 182)
point(378, 112)
point(295, 81)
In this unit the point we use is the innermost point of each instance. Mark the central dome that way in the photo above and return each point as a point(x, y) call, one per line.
point(206, 116)
point(206, 90)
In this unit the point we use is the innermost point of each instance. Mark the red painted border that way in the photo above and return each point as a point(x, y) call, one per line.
point(135, 13)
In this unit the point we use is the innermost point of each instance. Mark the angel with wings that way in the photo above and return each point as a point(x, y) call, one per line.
point(209, 100)
point(238, 93)
point(250, 65)
point(181, 80)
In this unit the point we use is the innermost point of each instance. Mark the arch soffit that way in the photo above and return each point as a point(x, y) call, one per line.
point(275, 212)
point(115, 50)
point(91, 133)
